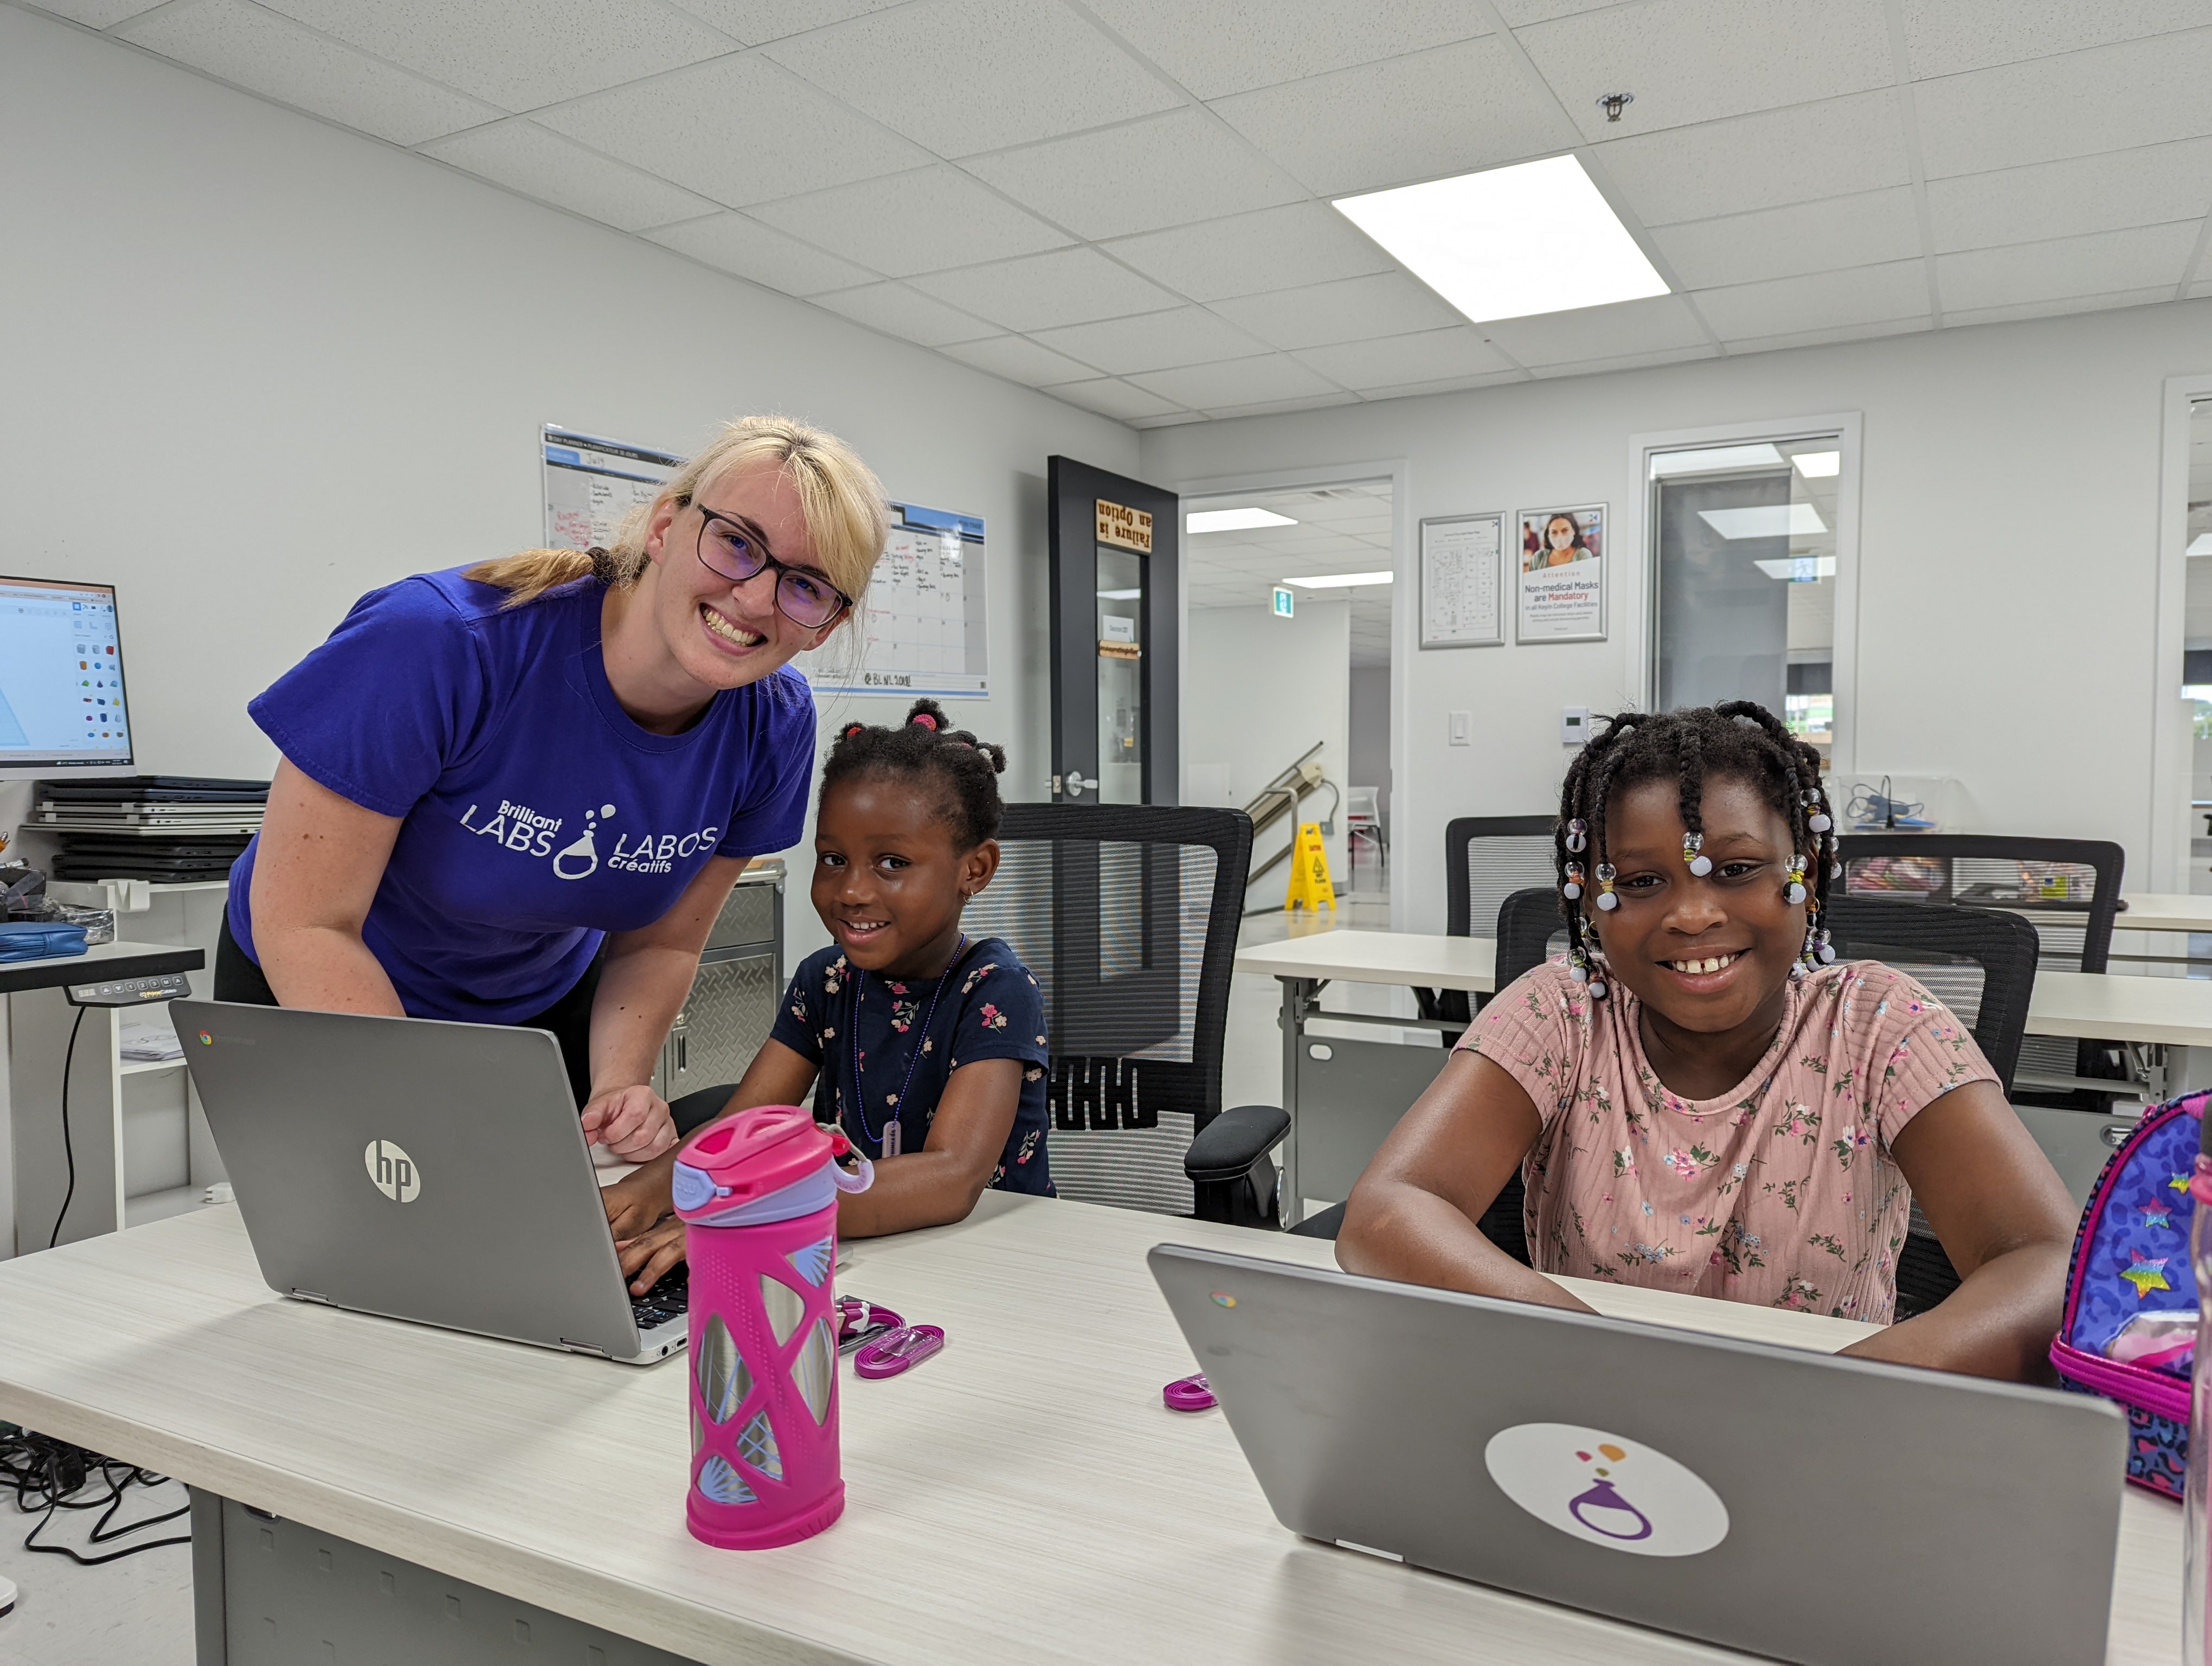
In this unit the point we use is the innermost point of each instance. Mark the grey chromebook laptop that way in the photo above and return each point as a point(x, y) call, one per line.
point(421, 1170)
point(1831, 1511)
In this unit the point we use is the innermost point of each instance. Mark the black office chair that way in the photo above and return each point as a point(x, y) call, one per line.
point(1487, 859)
point(2069, 889)
point(1128, 914)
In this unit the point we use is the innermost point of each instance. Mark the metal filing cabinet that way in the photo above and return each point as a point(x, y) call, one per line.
point(732, 1007)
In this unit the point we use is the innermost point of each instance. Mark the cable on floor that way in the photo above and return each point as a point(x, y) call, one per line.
point(48, 1476)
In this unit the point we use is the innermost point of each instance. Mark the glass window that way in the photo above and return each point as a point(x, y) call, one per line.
point(1744, 564)
point(1121, 578)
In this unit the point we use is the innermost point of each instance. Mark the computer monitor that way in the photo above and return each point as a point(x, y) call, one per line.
point(62, 710)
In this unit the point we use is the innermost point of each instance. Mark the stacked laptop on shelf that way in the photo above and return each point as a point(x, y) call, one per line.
point(171, 829)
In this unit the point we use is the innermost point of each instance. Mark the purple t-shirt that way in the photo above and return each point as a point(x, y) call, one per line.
point(537, 815)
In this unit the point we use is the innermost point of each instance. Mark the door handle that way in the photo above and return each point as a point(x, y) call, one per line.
point(1076, 784)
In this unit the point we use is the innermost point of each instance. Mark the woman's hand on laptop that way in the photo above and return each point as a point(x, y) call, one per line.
point(633, 1122)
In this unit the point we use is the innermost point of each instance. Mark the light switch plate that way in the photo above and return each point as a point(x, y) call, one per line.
point(1463, 728)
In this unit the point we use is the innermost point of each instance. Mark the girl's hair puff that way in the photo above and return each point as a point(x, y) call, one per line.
point(964, 770)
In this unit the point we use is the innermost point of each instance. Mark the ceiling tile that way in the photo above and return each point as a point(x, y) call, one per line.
point(1277, 248)
point(1175, 420)
point(756, 21)
point(1430, 356)
point(744, 247)
point(1817, 300)
point(96, 14)
point(1517, 13)
point(251, 48)
point(1833, 148)
point(1803, 237)
point(1704, 60)
point(524, 157)
point(1350, 309)
point(2099, 263)
point(1655, 325)
point(2203, 288)
point(1239, 382)
point(1275, 407)
point(1019, 360)
point(1215, 50)
point(965, 75)
point(517, 54)
point(1163, 171)
point(1039, 291)
point(1449, 384)
point(1447, 111)
point(2111, 98)
point(1155, 341)
point(923, 222)
point(1944, 37)
point(1114, 398)
point(2053, 308)
point(1625, 361)
point(897, 310)
point(791, 137)
point(2108, 192)
point(1896, 326)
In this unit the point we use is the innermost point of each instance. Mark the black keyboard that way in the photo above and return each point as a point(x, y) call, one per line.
point(670, 1298)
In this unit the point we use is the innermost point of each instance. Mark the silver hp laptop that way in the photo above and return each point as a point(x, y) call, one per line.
point(1831, 1511)
point(421, 1170)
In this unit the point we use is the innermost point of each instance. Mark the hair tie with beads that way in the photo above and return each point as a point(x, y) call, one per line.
point(1693, 846)
point(923, 720)
point(850, 730)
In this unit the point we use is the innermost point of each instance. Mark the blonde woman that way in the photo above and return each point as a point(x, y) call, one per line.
point(520, 793)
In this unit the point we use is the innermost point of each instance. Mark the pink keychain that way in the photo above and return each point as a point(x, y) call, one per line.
point(1188, 1394)
point(902, 1350)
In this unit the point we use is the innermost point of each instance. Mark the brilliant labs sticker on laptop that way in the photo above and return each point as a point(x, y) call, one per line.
point(1605, 1490)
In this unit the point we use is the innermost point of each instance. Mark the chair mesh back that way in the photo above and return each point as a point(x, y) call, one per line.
point(1487, 859)
point(1978, 962)
point(2067, 889)
point(1128, 917)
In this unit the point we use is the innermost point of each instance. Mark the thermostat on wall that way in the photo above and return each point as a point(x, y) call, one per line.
point(1574, 725)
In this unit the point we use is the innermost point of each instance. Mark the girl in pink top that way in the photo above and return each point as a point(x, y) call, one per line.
point(1699, 1100)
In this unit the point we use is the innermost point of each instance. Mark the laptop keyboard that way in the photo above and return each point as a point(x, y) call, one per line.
point(669, 1299)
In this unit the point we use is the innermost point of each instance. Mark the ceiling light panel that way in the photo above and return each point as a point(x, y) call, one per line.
point(1799, 569)
point(1476, 240)
point(1818, 465)
point(1341, 581)
point(1233, 520)
point(1766, 520)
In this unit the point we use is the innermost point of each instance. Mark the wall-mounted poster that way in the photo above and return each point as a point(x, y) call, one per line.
point(1562, 575)
point(1463, 588)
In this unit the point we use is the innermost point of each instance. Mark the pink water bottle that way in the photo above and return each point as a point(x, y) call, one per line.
point(758, 1193)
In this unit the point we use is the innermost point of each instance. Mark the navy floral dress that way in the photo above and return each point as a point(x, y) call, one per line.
point(842, 1019)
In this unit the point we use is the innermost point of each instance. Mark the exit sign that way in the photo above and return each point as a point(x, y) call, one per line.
point(1284, 600)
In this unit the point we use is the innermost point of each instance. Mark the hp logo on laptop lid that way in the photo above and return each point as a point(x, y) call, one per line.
point(392, 1171)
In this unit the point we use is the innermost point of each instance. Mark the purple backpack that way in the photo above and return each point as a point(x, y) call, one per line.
point(2129, 1329)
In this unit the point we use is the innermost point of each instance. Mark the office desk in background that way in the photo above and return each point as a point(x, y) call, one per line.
point(1344, 1094)
point(1022, 1497)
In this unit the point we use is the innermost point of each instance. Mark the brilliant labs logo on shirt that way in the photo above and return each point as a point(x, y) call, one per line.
point(518, 828)
point(1605, 1490)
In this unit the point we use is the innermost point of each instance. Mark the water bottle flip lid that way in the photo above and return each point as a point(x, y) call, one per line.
point(748, 1156)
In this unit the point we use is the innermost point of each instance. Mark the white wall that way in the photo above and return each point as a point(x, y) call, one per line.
point(1257, 692)
point(1370, 741)
point(257, 365)
point(2009, 549)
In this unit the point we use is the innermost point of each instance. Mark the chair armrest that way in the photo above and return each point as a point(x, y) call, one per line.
point(1233, 1141)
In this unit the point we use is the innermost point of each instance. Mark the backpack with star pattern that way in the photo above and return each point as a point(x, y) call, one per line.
point(2130, 1329)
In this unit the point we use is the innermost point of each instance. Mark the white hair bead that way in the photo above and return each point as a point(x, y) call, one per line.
point(1701, 866)
point(1570, 891)
point(1579, 973)
point(1597, 988)
point(1796, 893)
point(1819, 823)
point(1828, 952)
point(1607, 902)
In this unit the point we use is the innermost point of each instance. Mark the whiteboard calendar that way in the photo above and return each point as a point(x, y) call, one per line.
point(921, 628)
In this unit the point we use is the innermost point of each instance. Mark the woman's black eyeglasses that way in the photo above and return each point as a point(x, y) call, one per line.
point(729, 548)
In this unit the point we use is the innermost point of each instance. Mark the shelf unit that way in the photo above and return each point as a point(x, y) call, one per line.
point(141, 1146)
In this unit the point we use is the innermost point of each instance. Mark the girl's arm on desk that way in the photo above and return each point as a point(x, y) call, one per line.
point(1412, 1215)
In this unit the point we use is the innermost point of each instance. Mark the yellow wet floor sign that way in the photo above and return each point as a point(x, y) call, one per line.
point(1309, 885)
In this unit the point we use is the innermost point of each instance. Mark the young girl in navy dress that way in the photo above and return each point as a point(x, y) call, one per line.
point(928, 1048)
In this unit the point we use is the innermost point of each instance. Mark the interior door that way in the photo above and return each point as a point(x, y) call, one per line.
point(1115, 644)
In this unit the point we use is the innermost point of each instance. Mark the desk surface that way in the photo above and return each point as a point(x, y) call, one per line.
point(102, 960)
point(1023, 1496)
point(2163, 911)
point(2101, 1006)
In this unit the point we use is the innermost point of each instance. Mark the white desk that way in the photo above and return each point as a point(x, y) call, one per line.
point(2163, 911)
point(2168, 1014)
point(1023, 1496)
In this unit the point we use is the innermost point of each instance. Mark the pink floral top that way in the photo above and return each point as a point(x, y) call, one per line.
point(1780, 1191)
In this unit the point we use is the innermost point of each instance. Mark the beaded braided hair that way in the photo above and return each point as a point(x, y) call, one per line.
point(964, 770)
point(1738, 738)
